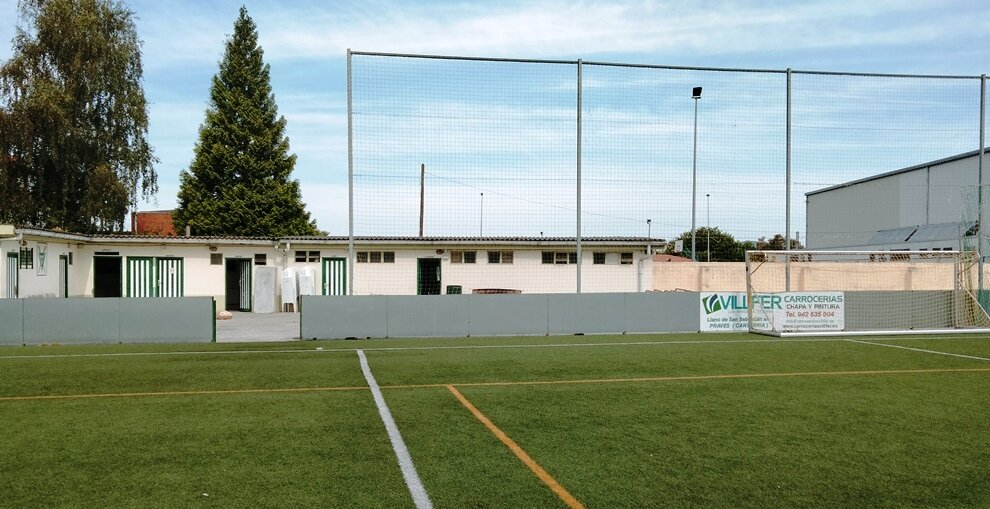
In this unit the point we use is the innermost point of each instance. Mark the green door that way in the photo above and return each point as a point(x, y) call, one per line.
point(169, 272)
point(63, 276)
point(12, 267)
point(428, 276)
point(334, 276)
point(140, 276)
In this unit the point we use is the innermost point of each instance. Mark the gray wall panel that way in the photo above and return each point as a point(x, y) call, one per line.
point(427, 316)
point(11, 321)
point(504, 315)
point(166, 320)
point(85, 320)
point(879, 310)
point(336, 317)
point(76, 320)
point(342, 316)
point(587, 313)
point(662, 312)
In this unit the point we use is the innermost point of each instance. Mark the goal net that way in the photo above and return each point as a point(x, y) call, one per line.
point(805, 293)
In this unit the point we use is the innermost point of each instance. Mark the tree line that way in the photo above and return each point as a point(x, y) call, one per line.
point(716, 245)
point(74, 151)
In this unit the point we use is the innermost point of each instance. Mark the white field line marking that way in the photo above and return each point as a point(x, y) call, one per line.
point(919, 350)
point(416, 489)
point(410, 348)
point(461, 347)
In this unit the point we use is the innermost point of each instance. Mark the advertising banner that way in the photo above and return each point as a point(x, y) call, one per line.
point(726, 312)
point(802, 311)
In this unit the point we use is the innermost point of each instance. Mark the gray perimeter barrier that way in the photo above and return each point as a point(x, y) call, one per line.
point(112, 320)
point(399, 316)
point(380, 316)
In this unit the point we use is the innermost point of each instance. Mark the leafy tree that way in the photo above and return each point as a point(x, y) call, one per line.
point(724, 247)
point(238, 182)
point(777, 243)
point(73, 118)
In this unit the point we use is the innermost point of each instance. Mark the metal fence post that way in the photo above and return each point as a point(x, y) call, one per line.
point(787, 171)
point(979, 187)
point(350, 180)
point(578, 233)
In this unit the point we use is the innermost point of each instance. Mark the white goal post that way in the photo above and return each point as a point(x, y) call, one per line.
point(825, 293)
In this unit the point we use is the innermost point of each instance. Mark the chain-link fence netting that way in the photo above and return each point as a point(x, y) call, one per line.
point(496, 175)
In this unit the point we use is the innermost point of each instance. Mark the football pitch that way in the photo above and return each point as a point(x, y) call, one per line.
point(673, 420)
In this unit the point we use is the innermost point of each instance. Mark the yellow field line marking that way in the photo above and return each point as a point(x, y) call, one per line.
point(500, 384)
point(717, 377)
point(180, 393)
point(542, 474)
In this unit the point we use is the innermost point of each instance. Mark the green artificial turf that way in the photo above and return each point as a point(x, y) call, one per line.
point(680, 430)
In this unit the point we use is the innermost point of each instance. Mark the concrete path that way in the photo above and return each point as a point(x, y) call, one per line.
point(253, 327)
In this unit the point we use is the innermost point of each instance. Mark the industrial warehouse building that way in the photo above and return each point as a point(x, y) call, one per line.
point(929, 206)
point(40, 263)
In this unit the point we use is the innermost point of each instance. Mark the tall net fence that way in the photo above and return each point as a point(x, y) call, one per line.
point(496, 175)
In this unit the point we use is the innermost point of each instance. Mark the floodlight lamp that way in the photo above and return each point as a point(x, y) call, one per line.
point(696, 93)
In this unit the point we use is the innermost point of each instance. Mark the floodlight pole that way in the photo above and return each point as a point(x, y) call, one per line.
point(481, 226)
point(649, 237)
point(696, 95)
point(708, 225)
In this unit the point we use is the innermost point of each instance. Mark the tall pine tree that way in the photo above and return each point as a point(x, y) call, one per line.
point(238, 182)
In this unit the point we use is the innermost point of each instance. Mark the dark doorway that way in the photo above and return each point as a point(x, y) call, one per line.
point(106, 276)
point(428, 276)
point(238, 285)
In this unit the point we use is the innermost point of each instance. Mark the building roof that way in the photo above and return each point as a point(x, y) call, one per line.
point(340, 239)
point(878, 176)
point(921, 233)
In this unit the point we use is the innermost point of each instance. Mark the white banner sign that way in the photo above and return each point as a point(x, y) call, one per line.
point(803, 311)
point(726, 312)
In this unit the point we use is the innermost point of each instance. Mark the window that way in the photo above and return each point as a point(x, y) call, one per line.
point(216, 258)
point(70, 257)
point(559, 258)
point(307, 256)
point(27, 258)
point(599, 258)
point(500, 257)
point(463, 257)
point(260, 259)
point(626, 259)
point(367, 256)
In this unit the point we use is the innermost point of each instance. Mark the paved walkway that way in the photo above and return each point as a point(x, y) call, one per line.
point(251, 327)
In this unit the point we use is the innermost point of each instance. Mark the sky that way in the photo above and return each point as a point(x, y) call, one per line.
point(305, 42)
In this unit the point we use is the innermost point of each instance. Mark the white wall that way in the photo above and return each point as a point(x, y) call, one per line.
point(32, 282)
point(527, 272)
point(201, 279)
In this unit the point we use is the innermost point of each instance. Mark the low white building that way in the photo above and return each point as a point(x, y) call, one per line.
point(929, 206)
point(40, 263)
